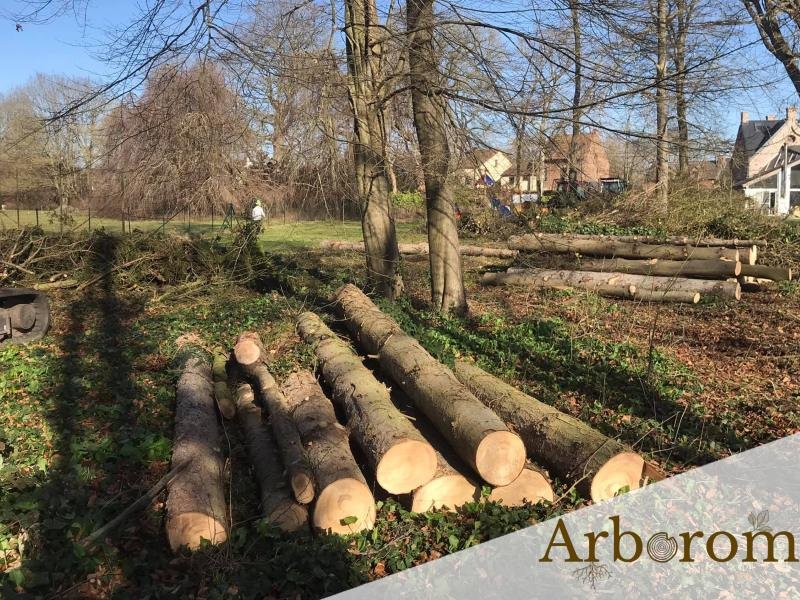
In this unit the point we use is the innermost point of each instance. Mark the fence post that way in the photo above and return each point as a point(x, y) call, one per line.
point(90, 216)
point(123, 222)
point(212, 217)
point(37, 216)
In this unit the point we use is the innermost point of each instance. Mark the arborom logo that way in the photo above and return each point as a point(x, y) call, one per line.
point(758, 544)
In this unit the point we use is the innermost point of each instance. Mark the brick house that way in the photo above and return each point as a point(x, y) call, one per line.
point(765, 161)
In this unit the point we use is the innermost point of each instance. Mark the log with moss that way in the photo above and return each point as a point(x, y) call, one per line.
point(250, 356)
point(399, 456)
point(547, 242)
point(675, 240)
point(598, 465)
point(767, 272)
point(345, 503)
point(196, 508)
point(278, 504)
point(479, 437)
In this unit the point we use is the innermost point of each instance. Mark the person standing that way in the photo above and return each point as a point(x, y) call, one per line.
point(257, 214)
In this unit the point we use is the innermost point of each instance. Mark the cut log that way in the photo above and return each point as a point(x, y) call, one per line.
point(586, 279)
point(277, 501)
point(399, 456)
point(703, 269)
point(345, 503)
point(531, 486)
point(557, 243)
point(600, 284)
point(56, 285)
point(599, 466)
point(479, 437)
point(452, 484)
point(447, 489)
point(765, 272)
point(687, 297)
point(676, 240)
point(196, 508)
point(222, 393)
point(249, 354)
point(420, 249)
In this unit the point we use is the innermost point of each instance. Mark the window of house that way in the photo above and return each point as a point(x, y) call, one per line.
point(795, 177)
point(768, 182)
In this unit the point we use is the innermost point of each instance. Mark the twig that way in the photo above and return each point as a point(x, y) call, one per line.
point(138, 505)
point(108, 272)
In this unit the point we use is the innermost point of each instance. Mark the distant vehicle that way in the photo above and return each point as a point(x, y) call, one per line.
point(613, 185)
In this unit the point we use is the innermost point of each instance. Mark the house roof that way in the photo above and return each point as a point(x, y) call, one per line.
point(512, 170)
point(755, 133)
point(477, 157)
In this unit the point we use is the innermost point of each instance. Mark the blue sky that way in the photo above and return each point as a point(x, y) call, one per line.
point(64, 46)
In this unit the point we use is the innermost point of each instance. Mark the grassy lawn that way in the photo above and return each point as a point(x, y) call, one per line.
point(275, 235)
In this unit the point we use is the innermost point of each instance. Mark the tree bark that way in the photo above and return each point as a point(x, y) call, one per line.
point(662, 148)
point(681, 22)
point(577, 112)
point(532, 486)
point(599, 466)
point(196, 507)
point(345, 503)
point(421, 248)
point(430, 116)
point(767, 20)
point(478, 436)
point(589, 280)
point(675, 240)
point(545, 242)
point(399, 456)
point(364, 53)
point(222, 393)
point(249, 355)
point(766, 272)
point(703, 269)
point(277, 502)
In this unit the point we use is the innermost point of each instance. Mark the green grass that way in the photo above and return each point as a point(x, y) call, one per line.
point(275, 235)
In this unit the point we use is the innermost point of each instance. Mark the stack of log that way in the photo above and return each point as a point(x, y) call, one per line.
point(670, 270)
point(434, 439)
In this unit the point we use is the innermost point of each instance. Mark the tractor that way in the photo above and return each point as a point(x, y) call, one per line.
point(24, 315)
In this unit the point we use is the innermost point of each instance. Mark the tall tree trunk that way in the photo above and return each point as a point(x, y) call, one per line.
point(662, 164)
point(679, 41)
point(447, 282)
point(577, 112)
point(364, 68)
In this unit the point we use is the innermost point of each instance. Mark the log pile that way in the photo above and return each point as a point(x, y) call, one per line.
point(420, 249)
point(435, 439)
point(672, 269)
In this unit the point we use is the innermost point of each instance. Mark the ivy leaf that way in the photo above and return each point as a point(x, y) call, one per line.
point(348, 520)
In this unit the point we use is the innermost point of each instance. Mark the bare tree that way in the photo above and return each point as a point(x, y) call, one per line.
point(364, 55)
point(776, 20)
point(662, 149)
point(430, 116)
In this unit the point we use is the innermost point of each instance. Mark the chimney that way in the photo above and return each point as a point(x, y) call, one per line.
point(791, 114)
point(745, 117)
point(771, 118)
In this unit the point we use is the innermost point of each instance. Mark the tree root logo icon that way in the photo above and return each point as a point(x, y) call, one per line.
point(661, 547)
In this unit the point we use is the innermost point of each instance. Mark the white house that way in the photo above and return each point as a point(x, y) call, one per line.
point(766, 161)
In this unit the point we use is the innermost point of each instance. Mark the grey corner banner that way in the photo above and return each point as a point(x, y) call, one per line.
point(730, 529)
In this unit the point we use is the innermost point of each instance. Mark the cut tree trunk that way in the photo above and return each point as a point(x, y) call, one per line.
point(599, 466)
point(557, 243)
point(676, 240)
point(447, 489)
point(277, 501)
point(451, 485)
point(222, 393)
point(687, 297)
point(345, 503)
point(249, 354)
point(196, 508)
point(585, 279)
point(399, 456)
point(765, 272)
point(601, 284)
point(474, 431)
point(531, 486)
point(421, 249)
point(703, 269)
